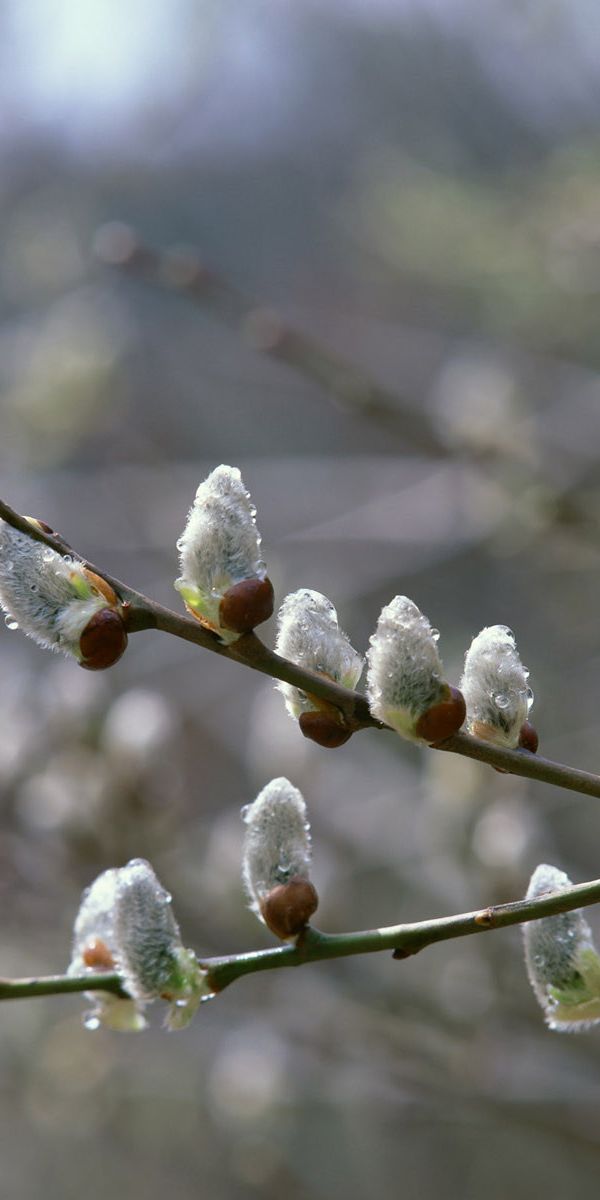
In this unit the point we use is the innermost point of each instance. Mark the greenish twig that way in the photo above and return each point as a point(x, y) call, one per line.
point(404, 940)
point(143, 613)
point(315, 946)
point(55, 985)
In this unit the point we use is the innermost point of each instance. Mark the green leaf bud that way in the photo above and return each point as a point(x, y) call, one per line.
point(562, 962)
point(125, 924)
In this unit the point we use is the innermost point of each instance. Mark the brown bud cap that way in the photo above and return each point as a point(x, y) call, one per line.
point(103, 640)
point(324, 729)
point(42, 525)
point(288, 907)
point(246, 605)
point(528, 738)
point(97, 954)
point(443, 719)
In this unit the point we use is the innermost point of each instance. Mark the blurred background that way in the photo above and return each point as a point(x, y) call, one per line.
point(416, 184)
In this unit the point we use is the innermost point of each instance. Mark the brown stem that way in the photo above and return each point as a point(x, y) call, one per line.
point(143, 613)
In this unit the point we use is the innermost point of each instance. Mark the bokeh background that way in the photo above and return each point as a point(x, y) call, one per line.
point(417, 186)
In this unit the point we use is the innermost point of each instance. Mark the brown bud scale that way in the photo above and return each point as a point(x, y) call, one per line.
point(246, 605)
point(324, 729)
point(101, 586)
point(528, 738)
point(103, 640)
point(444, 719)
point(97, 954)
point(288, 907)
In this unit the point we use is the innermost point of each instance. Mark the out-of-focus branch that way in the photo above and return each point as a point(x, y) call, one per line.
point(315, 946)
point(143, 613)
point(182, 270)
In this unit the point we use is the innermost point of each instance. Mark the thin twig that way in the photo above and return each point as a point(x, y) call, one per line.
point(144, 613)
point(315, 946)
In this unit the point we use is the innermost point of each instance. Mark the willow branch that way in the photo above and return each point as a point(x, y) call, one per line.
point(183, 271)
point(143, 613)
point(56, 985)
point(403, 940)
point(315, 946)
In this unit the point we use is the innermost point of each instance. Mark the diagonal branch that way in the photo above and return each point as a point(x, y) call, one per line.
point(315, 946)
point(183, 271)
point(144, 613)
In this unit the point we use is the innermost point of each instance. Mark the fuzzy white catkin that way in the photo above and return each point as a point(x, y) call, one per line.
point(95, 918)
point(561, 959)
point(308, 634)
point(276, 842)
point(494, 685)
point(96, 921)
point(405, 673)
point(146, 932)
point(128, 909)
point(46, 595)
point(220, 545)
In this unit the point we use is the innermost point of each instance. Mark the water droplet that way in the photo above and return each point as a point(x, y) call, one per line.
point(245, 812)
point(180, 543)
point(530, 698)
point(48, 555)
point(9, 566)
point(91, 1021)
point(10, 622)
point(501, 700)
point(181, 1004)
point(435, 633)
point(208, 996)
point(34, 588)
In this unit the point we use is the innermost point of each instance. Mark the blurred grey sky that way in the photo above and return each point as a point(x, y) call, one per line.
point(106, 77)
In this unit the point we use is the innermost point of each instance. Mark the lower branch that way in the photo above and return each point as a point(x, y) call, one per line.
point(314, 946)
